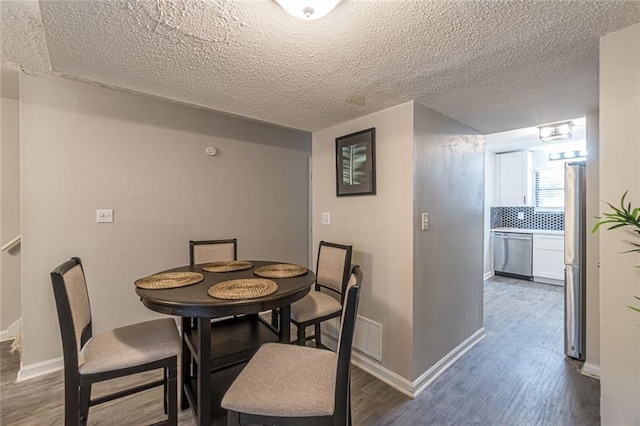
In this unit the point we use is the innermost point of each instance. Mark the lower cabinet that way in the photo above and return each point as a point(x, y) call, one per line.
point(548, 258)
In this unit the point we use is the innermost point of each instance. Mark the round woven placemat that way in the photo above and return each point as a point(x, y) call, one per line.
point(169, 280)
point(246, 288)
point(280, 270)
point(227, 266)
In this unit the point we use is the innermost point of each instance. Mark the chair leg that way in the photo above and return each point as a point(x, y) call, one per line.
point(164, 387)
point(349, 419)
point(85, 398)
point(301, 334)
point(318, 331)
point(171, 397)
point(185, 361)
point(71, 401)
point(233, 418)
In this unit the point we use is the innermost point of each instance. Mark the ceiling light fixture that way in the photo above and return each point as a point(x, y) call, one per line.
point(308, 9)
point(552, 132)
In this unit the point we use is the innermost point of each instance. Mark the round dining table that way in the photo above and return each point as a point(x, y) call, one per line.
point(213, 352)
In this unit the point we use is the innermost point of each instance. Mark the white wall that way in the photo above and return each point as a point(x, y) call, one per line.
point(379, 227)
point(10, 309)
point(85, 148)
point(592, 363)
point(540, 160)
point(489, 200)
point(619, 278)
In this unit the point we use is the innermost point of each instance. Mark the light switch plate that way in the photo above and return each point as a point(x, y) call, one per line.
point(104, 215)
point(325, 218)
point(425, 221)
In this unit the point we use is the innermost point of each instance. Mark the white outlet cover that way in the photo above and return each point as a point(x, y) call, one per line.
point(325, 218)
point(104, 215)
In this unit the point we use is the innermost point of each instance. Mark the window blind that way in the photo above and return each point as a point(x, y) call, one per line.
point(549, 189)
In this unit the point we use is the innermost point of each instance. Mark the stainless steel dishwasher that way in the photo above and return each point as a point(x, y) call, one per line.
point(512, 254)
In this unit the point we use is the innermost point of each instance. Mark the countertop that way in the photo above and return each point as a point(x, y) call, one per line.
point(529, 231)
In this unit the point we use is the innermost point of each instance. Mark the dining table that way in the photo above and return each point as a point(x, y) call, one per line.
point(219, 336)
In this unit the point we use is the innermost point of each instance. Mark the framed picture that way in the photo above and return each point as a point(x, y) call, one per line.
point(356, 163)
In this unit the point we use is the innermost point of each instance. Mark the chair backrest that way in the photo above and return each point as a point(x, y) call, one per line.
point(74, 310)
point(332, 269)
point(345, 342)
point(212, 251)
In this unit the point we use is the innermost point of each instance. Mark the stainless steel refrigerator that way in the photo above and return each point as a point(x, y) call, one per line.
point(575, 260)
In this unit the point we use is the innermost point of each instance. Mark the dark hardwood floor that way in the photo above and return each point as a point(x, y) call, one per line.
point(518, 375)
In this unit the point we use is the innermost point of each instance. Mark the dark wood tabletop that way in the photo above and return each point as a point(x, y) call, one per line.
point(194, 301)
point(222, 347)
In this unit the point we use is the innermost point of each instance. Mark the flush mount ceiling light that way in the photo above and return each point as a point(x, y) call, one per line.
point(555, 131)
point(308, 9)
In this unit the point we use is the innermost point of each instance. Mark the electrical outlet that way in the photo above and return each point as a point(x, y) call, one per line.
point(325, 218)
point(104, 216)
point(521, 215)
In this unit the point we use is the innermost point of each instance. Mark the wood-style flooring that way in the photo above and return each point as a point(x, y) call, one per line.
point(518, 375)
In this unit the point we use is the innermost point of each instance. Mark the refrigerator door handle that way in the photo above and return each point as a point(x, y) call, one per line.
point(513, 238)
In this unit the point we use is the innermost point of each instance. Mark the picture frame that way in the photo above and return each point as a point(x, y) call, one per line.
point(356, 163)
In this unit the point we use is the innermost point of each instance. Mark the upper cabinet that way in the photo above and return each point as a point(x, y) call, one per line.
point(513, 179)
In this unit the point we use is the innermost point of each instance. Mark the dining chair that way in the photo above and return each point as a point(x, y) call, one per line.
point(212, 251)
point(120, 352)
point(298, 385)
point(332, 275)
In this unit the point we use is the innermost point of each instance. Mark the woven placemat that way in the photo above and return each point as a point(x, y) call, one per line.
point(227, 266)
point(169, 280)
point(280, 270)
point(246, 288)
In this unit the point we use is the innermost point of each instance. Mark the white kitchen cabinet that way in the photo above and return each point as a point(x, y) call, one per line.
point(548, 259)
point(514, 179)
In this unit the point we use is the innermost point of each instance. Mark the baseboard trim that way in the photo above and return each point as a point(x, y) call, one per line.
point(39, 369)
point(551, 281)
point(487, 275)
point(591, 370)
point(447, 361)
point(12, 331)
point(403, 385)
point(383, 374)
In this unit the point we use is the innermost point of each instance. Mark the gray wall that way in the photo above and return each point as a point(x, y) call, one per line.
point(85, 148)
point(448, 258)
point(10, 212)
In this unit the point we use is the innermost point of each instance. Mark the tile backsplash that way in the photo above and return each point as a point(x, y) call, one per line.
point(507, 217)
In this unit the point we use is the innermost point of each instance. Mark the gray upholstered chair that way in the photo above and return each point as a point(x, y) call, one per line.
point(298, 385)
point(332, 275)
point(212, 251)
point(120, 352)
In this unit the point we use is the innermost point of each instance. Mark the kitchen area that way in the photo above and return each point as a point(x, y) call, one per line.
point(535, 223)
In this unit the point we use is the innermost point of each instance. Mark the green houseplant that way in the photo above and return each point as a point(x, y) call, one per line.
point(619, 217)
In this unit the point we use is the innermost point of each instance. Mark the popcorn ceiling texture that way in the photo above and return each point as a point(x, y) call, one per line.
point(493, 65)
point(23, 43)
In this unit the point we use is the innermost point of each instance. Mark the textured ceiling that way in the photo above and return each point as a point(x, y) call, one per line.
point(23, 43)
point(493, 65)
